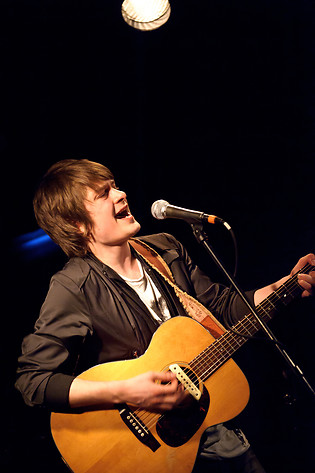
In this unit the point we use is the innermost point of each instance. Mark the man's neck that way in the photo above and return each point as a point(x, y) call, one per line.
point(119, 258)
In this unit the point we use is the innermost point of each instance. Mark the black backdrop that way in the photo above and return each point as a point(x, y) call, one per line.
point(215, 112)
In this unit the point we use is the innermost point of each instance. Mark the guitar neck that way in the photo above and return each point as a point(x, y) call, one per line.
point(225, 346)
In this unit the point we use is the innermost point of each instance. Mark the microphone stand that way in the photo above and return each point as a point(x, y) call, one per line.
point(202, 238)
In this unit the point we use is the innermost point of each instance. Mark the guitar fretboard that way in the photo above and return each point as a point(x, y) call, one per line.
point(209, 360)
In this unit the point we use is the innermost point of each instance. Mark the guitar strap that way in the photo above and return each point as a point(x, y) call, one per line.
point(193, 307)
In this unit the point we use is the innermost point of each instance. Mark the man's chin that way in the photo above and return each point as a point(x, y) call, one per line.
point(137, 228)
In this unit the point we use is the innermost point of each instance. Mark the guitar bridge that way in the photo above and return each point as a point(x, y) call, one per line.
point(138, 428)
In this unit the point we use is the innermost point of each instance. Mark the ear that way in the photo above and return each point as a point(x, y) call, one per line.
point(81, 227)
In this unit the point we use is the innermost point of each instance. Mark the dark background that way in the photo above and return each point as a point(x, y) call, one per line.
point(214, 111)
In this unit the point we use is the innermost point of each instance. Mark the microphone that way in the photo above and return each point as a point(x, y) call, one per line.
point(161, 209)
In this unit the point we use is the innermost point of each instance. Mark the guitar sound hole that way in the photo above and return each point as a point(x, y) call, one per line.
point(177, 426)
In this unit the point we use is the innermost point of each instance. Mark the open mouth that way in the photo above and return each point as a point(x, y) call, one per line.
point(123, 213)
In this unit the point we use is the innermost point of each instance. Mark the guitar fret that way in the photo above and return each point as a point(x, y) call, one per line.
point(252, 324)
point(267, 306)
point(215, 355)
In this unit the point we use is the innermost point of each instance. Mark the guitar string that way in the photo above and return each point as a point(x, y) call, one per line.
point(223, 352)
point(230, 337)
point(232, 341)
point(243, 325)
point(265, 305)
point(291, 284)
point(284, 288)
point(151, 419)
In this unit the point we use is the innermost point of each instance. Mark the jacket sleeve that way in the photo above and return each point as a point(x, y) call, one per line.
point(225, 306)
point(49, 355)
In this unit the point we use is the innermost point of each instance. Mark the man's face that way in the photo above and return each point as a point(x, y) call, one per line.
point(113, 223)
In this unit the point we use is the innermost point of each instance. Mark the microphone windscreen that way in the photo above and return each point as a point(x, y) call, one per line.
point(158, 209)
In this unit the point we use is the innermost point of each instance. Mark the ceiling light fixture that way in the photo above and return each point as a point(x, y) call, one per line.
point(146, 15)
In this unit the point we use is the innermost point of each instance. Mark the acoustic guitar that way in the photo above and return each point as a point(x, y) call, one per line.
point(127, 439)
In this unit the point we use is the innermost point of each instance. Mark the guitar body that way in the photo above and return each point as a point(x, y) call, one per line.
point(99, 441)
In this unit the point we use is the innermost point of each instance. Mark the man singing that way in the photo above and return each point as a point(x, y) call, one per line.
point(107, 302)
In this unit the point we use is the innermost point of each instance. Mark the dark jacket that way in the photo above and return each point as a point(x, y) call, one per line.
point(91, 316)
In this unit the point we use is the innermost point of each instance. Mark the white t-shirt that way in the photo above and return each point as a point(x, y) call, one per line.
point(149, 294)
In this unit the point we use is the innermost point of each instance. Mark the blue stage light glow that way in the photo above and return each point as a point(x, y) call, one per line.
point(34, 244)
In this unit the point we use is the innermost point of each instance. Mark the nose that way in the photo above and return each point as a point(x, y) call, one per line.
point(117, 195)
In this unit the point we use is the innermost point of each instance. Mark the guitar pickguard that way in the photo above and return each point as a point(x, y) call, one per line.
point(176, 427)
